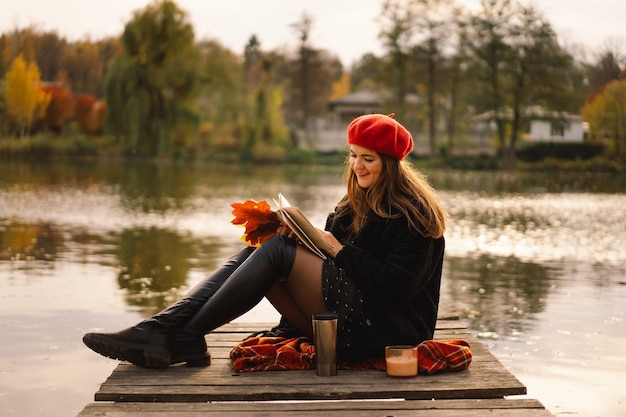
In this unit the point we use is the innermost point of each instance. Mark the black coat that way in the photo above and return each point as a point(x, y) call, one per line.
point(398, 272)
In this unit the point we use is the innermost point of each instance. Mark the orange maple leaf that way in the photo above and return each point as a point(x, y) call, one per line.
point(258, 219)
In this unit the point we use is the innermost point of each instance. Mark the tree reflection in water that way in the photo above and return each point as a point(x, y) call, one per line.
point(496, 296)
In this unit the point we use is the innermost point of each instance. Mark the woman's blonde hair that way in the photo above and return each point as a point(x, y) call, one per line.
point(401, 190)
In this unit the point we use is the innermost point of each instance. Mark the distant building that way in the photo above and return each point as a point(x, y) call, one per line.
point(344, 109)
point(331, 131)
point(541, 125)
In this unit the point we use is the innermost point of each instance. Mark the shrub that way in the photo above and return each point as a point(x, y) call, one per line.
point(564, 151)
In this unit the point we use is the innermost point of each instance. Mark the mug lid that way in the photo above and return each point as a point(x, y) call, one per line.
point(325, 316)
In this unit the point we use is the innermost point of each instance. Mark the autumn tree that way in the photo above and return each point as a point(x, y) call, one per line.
point(60, 108)
point(221, 103)
point(341, 87)
point(366, 72)
point(486, 39)
point(301, 82)
point(22, 42)
point(150, 88)
point(311, 75)
point(83, 63)
point(457, 93)
point(606, 68)
point(4, 48)
point(432, 20)
point(518, 63)
point(50, 52)
point(89, 113)
point(264, 133)
point(47, 49)
point(396, 32)
point(26, 101)
point(85, 67)
point(606, 115)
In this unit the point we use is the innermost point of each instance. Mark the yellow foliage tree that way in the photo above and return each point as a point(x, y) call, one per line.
point(341, 87)
point(606, 115)
point(26, 101)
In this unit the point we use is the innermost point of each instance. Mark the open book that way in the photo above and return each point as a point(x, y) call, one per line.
point(302, 227)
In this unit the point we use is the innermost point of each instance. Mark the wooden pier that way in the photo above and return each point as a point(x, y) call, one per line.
point(485, 388)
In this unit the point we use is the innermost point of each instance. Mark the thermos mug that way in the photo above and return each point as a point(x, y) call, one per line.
point(325, 340)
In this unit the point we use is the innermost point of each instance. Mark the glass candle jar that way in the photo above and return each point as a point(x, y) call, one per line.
point(401, 361)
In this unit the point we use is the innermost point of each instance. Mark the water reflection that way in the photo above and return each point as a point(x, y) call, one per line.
point(153, 187)
point(496, 183)
point(152, 262)
point(21, 240)
point(496, 296)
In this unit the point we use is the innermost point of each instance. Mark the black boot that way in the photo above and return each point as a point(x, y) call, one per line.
point(193, 352)
point(148, 343)
point(244, 289)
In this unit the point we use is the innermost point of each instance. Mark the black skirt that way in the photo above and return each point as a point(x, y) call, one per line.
point(342, 297)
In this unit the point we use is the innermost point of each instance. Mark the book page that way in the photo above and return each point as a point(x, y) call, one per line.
point(302, 227)
point(304, 238)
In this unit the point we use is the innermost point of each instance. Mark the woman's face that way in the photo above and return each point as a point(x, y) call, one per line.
point(366, 165)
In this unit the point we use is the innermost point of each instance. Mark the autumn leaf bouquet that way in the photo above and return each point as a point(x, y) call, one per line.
point(259, 220)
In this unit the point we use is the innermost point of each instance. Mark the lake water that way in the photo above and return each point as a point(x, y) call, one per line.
point(535, 266)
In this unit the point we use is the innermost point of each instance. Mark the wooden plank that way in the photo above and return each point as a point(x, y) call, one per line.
point(439, 408)
point(297, 385)
point(486, 378)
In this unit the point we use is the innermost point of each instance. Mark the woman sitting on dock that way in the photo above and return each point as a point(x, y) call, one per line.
point(382, 278)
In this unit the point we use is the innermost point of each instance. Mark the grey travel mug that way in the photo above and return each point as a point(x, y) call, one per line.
point(325, 340)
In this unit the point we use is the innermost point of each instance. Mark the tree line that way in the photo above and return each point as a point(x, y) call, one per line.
point(159, 91)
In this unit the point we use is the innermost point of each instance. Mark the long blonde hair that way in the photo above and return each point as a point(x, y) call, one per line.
point(402, 187)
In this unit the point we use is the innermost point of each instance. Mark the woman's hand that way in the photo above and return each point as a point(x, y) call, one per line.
point(328, 237)
point(284, 230)
point(332, 241)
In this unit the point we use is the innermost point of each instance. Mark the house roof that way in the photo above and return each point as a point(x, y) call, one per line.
point(362, 97)
point(530, 112)
point(368, 97)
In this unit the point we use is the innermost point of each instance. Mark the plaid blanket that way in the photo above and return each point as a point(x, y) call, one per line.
point(258, 353)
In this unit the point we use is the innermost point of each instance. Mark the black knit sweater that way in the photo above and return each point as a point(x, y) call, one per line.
point(399, 274)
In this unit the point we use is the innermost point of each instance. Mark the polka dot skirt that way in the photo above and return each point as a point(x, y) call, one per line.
point(342, 296)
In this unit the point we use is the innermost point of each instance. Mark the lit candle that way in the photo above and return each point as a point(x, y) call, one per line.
point(401, 361)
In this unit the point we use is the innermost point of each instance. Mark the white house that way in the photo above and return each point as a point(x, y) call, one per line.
point(542, 125)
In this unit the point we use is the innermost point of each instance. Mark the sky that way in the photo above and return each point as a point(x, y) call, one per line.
point(347, 28)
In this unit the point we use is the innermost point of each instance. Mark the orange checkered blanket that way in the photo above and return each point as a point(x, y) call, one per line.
point(258, 353)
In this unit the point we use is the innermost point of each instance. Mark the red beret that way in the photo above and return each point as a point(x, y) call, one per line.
point(382, 134)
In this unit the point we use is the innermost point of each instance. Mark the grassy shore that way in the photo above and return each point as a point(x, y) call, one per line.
point(80, 147)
